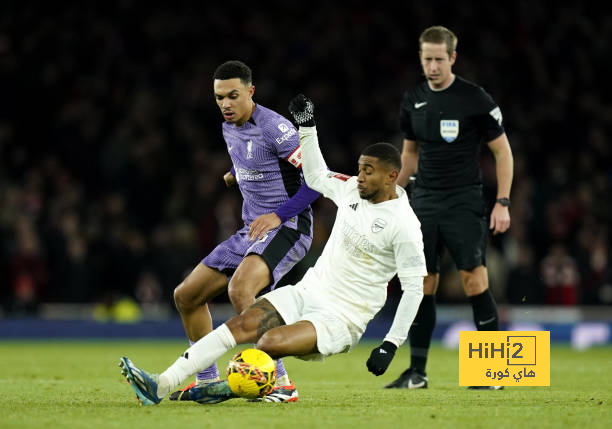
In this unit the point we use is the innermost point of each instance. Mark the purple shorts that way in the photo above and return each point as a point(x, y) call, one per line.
point(280, 248)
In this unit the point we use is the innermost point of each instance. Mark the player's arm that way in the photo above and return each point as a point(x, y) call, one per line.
point(406, 310)
point(410, 262)
point(313, 165)
point(410, 160)
point(295, 205)
point(504, 166)
point(381, 356)
point(315, 170)
point(230, 177)
point(292, 207)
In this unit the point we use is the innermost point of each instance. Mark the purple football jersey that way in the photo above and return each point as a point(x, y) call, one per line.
point(267, 159)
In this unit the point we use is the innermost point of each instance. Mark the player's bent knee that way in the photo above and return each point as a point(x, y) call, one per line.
point(243, 290)
point(185, 299)
point(179, 298)
point(473, 285)
point(240, 299)
point(272, 343)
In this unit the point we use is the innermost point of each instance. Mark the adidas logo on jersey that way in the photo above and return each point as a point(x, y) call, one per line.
point(354, 206)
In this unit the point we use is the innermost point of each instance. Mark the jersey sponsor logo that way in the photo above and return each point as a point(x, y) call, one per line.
point(287, 134)
point(296, 157)
point(248, 175)
point(378, 224)
point(449, 129)
point(497, 115)
point(338, 176)
point(419, 105)
point(283, 128)
point(250, 149)
point(356, 244)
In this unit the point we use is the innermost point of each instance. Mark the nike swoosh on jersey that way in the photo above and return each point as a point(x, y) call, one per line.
point(419, 105)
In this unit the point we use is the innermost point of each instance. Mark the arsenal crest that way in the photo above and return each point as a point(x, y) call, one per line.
point(378, 224)
point(449, 129)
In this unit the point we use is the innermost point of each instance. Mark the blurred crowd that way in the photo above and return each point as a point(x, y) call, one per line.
point(111, 153)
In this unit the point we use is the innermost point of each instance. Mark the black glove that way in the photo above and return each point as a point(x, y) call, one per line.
point(302, 110)
point(381, 357)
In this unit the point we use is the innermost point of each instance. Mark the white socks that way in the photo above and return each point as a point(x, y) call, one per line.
point(196, 358)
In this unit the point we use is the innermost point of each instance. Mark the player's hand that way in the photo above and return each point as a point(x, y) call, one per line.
point(380, 358)
point(500, 219)
point(229, 179)
point(263, 224)
point(302, 110)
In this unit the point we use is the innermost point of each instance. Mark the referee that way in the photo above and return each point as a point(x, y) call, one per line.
point(445, 120)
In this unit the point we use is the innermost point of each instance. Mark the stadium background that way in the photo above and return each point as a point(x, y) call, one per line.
point(111, 156)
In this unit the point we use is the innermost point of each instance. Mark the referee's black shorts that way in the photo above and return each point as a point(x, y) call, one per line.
point(455, 219)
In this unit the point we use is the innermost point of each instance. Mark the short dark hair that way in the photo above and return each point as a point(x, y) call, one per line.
point(234, 69)
point(386, 152)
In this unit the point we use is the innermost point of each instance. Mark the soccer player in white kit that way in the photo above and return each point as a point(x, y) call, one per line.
point(376, 235)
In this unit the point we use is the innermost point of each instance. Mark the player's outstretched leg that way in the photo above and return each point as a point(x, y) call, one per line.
point(183, 394)
point(143, 383)
point(211, 393)
point(284, 390)
point(207, 376)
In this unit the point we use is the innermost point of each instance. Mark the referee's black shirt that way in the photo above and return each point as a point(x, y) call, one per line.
point(449, 126)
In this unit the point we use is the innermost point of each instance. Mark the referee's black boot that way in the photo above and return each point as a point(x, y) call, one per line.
point(409, 379)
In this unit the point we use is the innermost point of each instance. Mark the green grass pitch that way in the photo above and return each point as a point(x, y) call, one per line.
point(72, 384)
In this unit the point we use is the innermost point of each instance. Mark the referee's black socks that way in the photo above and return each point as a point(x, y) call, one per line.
point(485, 311)
point(420, 333)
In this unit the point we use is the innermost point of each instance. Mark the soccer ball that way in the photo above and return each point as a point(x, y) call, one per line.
point(251, 373)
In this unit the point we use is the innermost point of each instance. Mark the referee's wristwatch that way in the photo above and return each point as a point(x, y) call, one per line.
point(503, 201)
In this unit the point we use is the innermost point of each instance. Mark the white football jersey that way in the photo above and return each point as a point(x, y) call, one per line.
point(368, 245)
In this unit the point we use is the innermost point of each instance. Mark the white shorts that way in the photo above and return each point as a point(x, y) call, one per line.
point(334, 335)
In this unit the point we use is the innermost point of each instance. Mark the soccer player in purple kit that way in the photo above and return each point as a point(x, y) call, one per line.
point(277, 232)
